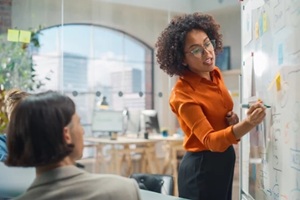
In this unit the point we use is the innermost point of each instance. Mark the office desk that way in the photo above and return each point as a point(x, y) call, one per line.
point(144, 147)
point(172, 147)
point(148, 195)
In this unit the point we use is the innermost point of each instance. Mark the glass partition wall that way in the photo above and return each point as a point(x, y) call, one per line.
point(99, 48)
point(99, 52)
point(92, 63)
point(89, 50)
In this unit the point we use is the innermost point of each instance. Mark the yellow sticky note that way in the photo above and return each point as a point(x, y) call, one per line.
point(278, 82)
point(25, 36)
point(256, 30)
point(265, 25)
point(13, 35)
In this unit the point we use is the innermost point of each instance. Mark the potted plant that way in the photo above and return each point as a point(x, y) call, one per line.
point(16, 69)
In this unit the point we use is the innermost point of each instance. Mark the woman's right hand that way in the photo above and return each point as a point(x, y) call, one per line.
point(256, 114)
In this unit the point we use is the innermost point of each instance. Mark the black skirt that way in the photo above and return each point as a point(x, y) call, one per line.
point(207, 175)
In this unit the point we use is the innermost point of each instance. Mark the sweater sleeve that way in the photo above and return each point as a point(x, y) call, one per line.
point(191, 117)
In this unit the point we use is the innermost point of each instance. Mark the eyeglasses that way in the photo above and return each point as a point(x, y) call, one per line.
point(199, 50)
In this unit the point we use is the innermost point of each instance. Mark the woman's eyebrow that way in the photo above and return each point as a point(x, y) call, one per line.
point(197, 45)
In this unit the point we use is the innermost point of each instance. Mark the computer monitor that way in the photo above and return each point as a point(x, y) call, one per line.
point(107, 121)
point(149, 121)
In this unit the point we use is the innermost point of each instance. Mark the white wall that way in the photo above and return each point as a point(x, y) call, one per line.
point(141, 22)
point(182, 6)
point(230, 21)
point(212, 5)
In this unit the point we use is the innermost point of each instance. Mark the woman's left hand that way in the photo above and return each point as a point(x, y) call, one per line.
point(232, 118)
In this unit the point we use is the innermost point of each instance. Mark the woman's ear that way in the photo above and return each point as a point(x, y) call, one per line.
point(67, 135)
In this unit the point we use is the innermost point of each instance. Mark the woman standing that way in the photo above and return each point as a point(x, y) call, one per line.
point(187, 48)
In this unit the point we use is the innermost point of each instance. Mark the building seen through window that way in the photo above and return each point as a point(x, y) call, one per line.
point(99, 64)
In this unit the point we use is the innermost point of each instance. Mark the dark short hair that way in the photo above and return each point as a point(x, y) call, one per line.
point(35, 132)
point(170, 44)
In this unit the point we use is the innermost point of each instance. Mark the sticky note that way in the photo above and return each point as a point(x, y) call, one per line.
point(13, 35)
point(265, 25)
point(278, 82)
point(25, 36)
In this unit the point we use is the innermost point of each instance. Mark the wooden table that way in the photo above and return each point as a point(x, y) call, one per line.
point(143, 147)
point(172, 147)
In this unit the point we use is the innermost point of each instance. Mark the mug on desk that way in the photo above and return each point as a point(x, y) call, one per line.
point(146, 135)
point(165, 133)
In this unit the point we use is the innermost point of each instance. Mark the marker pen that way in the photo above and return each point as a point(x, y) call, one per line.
point(248, 106)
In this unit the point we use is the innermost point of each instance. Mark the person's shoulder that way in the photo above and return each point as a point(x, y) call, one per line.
point(182, 82)
point(112, 185)
point(96, 186)
point(111, 178)
point(181, 91)
point(182, 87)
point(116, 181)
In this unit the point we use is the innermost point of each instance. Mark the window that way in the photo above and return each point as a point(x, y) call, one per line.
point(88, 62)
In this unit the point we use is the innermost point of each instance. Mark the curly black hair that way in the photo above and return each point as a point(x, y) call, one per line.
point(170, 44)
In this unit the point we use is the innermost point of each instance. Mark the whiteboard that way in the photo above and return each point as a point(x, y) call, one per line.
point(270, 154)
point(107, 120)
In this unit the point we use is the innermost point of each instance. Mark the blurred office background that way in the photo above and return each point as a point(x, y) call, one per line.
point(90, 49)
point(94, 48)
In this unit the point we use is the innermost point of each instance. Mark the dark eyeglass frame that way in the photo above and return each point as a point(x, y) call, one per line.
point(202, 48)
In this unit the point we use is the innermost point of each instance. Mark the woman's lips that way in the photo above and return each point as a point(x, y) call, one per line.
point(208, 61)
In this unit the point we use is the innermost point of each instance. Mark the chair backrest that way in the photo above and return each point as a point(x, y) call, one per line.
point(159, 183)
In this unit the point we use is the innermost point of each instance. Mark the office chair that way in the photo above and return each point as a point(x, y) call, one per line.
point(159, 183)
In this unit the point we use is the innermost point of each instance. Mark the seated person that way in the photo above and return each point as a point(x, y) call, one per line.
point(45, 132)
point(11, 99)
